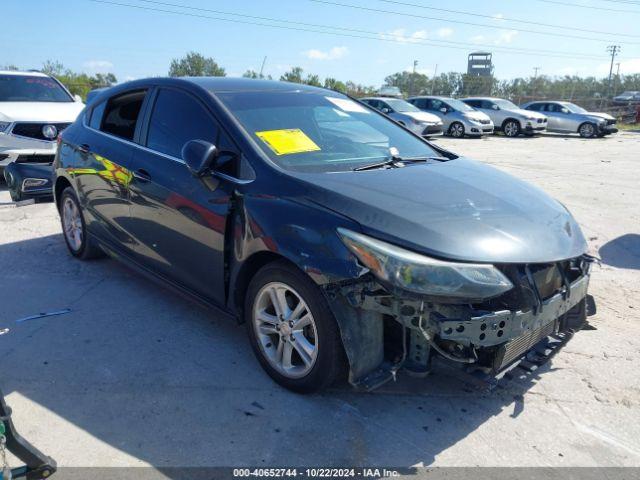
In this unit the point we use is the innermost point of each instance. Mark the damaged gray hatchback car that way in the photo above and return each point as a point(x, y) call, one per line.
point(345, 242)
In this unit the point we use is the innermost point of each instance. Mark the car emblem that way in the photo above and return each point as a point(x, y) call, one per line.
point(49, 131)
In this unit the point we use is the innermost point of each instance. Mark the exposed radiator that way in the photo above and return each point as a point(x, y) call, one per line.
point(517, 347)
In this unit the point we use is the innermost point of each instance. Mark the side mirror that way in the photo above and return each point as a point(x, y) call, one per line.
point(386, 110)
point(495, 107)
point(200, 156)
point(444, 110)
point(565, 110)
point(77, 98)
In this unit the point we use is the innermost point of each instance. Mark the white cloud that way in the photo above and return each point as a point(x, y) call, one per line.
point(627, 67)
point(332, 54)
point(401, 35)
point(444, 32)
point(98, 65)
point(505, 36)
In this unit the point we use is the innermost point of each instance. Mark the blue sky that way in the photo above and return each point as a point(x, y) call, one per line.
point(134, 43)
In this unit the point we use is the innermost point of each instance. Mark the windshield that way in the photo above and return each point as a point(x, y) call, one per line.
point(573, 108)
point(25, 88)
point(458, 105)
point(311, 132)
point(505, 104)
point(401, 105)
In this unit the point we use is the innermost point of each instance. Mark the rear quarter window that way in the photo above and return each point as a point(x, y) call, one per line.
point(121, 114)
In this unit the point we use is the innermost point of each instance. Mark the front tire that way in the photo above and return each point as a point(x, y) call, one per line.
point(587, 130)
point(292, 330)
point(511, 128)
point(80, 244)
point(456, 130)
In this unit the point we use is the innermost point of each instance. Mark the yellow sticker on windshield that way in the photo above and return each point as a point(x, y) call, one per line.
point(285, 142)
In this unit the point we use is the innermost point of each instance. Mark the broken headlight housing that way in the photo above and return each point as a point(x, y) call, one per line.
point(425, 275)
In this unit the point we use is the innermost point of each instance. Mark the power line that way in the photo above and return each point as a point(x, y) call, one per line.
point(369, 35)
point(475, 14)
point(591, 7)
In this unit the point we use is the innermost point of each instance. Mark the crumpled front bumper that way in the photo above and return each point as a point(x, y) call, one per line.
point(463, 333)
point(498, 327)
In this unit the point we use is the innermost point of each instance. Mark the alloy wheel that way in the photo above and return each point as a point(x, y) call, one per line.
point(72, 224)
point(457, 130)
point(285, 330)
point(511, 129)
point(587, 130)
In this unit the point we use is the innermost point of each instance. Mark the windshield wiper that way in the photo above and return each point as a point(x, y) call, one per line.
point(394, 161)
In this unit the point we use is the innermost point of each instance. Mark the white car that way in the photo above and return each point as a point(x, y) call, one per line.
point(508, 117)
point(34, 109)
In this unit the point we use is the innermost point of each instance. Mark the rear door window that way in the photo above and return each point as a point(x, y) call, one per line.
point(121, 114)
point(178, 117)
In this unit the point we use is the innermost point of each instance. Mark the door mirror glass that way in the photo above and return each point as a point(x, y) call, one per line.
point(444, 110)
point(495, 107)
point(386, 110)
point(565, 110)
point(200, 156)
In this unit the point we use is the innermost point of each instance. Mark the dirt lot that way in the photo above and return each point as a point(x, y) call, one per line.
point(136, 375)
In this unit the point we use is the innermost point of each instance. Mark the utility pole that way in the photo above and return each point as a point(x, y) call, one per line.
point(433, 80)
point(413, 74)
point(614, 50)
point(264, 60)
point(535, 84)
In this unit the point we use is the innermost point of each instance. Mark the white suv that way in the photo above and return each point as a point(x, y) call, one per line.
point(34, 109)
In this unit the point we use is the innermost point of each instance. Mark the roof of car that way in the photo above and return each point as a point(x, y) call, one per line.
point(481, 98)
point(230, 84)
point(381, 98)
point(24, 74)
point(439, 97)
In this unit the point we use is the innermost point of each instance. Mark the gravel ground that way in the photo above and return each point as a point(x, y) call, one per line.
point(136, 375)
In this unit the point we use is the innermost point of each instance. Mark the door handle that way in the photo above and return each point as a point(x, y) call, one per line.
point(84, 148)
point(142, 175)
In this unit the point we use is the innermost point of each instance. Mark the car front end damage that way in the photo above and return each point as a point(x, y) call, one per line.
point(386, 329)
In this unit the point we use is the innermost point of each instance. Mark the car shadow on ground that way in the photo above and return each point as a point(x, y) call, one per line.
point(156, 378)
point(622, 252)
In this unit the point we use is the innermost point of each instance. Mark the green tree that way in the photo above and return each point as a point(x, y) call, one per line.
point(78, 83)
point(409, 83)
point(294, 75)
point(195, 65)
point(333, 84)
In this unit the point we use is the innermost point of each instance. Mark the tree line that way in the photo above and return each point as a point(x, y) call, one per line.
point(588, 90)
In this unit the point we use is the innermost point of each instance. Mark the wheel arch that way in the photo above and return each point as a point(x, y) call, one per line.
point(61, 184)
point(589, 122)
point(510, 119)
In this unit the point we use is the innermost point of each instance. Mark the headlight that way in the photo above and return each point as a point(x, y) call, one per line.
point(4, 126)
point(424, 275)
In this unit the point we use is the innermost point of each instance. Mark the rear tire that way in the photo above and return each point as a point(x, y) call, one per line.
point(74, 230)
point(511, 128)
point(292, 331)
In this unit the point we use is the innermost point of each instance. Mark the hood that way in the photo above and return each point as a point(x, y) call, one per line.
point(458, 210)
point(528, 113)
point(422, 116)
point(606, 116)
point(475, 115)
point(40, 111)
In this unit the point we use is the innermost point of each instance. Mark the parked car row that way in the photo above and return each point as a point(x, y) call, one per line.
point(479, 116)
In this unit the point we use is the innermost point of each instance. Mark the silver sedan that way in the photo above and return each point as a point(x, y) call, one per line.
point(567, 117)
point(458, 118)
